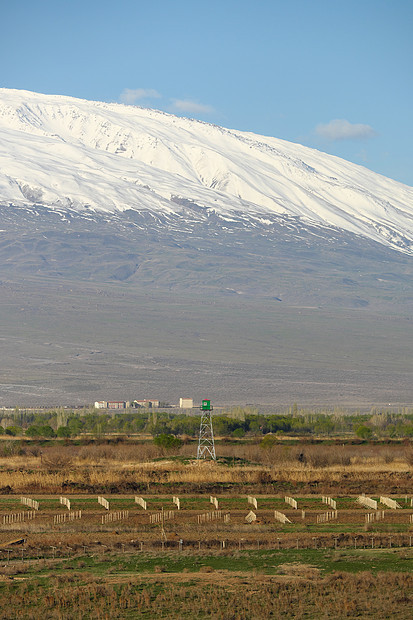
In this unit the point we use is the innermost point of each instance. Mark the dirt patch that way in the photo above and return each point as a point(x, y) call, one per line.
point(295, 569)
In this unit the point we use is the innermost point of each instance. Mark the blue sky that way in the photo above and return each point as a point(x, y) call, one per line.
point(331, 74)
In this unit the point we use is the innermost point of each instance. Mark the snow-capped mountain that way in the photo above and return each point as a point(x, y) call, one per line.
point(146, 254)
point(81, 157)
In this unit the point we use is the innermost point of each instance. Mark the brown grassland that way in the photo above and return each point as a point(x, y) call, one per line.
point(127, 466)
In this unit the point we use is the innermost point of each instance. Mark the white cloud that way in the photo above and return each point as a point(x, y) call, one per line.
point(341, 129)
point(191, 107)
point(131, 96)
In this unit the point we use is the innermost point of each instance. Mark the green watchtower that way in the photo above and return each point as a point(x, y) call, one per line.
point(206, 446)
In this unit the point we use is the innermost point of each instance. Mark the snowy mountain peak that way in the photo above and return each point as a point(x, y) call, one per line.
point(67, 153)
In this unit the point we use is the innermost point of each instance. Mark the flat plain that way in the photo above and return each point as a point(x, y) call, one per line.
point(77, 344)
point(125, 309)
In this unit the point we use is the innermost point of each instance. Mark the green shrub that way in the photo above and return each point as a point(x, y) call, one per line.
point(63, 431)
point(167, 442)
point(363, 431)
point(37, 430)
point(14, 430)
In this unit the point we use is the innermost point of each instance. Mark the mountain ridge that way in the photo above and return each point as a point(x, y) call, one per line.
point(67, 153)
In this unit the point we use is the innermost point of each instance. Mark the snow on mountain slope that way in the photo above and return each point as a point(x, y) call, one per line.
point(67, 153)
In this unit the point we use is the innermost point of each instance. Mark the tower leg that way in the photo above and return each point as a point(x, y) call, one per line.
point(206, 445)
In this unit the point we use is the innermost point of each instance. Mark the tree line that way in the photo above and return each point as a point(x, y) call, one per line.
point(235, 423)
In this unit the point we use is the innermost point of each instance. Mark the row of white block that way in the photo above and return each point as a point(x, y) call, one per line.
point(103, 502)
point(367, 502)
point(67, 516)
point(252, 500)
point(214, 515)
point(18, 517)
point(118, 515)
point(372, 503)
point(391, 503)
point(362, 499)
point(31, 503)
point(329, 501)
point(158, 516)
point(141, 502)
point(214, 501)
point(371, 517)
point(281, 517)
point(327, 516)
point(65, 502)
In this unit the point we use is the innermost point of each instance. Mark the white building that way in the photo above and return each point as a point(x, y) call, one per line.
point(186, 403)
point(112, 404)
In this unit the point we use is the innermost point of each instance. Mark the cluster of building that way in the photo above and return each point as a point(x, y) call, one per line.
point(148, 403)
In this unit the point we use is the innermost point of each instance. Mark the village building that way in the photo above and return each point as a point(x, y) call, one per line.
point(186, 403)
point(147, 402)
point(111, 404)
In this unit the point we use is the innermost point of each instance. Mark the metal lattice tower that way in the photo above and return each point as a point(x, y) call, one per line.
point(206, 446)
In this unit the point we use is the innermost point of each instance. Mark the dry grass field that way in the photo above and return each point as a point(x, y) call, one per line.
point(92, 562)
point(108, 466)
